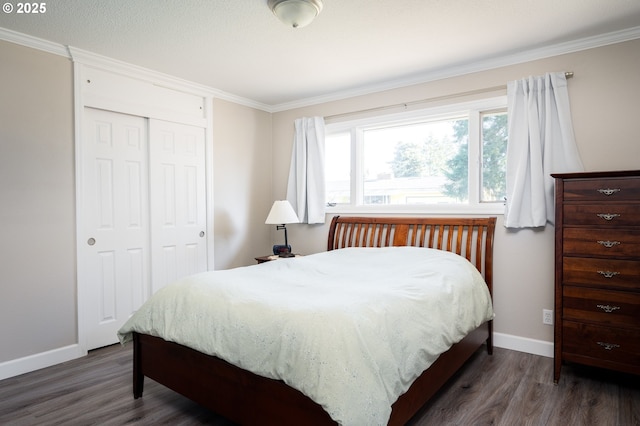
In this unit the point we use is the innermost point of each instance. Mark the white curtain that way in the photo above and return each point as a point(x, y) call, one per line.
point(541, 142)
point(306, 187)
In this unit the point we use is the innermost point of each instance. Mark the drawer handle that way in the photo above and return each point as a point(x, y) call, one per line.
point(608, 274)
point(608, 308)
point(607, 216)
point(608, 346)
point(609, 244)
point(608, 191)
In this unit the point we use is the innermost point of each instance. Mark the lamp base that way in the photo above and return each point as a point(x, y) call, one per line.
point(280, 249)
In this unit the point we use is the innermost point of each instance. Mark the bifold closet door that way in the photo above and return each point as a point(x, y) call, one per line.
point(114, 250)
point(178, 201)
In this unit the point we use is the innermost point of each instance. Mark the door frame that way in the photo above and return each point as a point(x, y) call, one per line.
point(102, 83)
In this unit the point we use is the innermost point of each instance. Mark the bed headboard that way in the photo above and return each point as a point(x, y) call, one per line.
point(468, 237)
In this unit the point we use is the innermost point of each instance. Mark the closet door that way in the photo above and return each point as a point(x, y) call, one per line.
point(178, 201)
point(113, 252)
point(141, 199)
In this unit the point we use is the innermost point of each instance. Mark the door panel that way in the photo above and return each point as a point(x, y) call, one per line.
point(114, 264)
point(178, 201)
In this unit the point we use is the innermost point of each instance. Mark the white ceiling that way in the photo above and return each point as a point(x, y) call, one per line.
point(354, 46)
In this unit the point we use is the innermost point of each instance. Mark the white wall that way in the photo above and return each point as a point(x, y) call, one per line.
point(37, 213)
point(242, 185)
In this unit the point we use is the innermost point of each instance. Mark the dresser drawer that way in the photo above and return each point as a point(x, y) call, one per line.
point(605, 307)
point(602, 190)
point(611, 344)
point(601, 242)
point(603, 273)
point(603, 214)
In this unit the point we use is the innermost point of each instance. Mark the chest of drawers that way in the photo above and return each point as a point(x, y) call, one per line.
point(597, 270)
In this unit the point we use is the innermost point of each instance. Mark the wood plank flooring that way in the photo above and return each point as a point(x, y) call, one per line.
point(508, 388)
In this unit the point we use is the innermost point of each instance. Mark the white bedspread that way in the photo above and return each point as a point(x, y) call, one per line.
point(350, 328)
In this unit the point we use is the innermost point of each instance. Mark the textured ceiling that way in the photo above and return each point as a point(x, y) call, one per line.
point(239, 47)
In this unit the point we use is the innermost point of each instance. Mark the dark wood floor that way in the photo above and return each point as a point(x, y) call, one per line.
point(508, 388)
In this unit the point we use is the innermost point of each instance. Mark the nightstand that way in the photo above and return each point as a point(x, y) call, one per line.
point(271, 257)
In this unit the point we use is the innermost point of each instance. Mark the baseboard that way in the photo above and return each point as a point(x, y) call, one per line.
point(523, 344)
point(56, 356)
point(34, 362)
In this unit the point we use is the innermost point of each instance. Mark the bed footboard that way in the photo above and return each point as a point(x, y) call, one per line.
point(239, 395)
point(230, 391)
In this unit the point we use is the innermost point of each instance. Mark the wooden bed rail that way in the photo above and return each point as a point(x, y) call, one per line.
point(471, 238)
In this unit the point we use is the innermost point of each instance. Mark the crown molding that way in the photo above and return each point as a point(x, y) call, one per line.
point(469, 68)
point(33, 42)
point(448, 72)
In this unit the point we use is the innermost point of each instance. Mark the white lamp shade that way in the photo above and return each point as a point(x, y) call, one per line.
point(281, 213)
point(296, 13)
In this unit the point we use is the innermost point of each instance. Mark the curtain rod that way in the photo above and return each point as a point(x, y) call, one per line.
point(568, 74)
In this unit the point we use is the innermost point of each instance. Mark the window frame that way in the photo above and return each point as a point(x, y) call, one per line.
point(473, 109)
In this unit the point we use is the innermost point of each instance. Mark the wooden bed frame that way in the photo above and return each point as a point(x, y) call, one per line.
point(246, 398)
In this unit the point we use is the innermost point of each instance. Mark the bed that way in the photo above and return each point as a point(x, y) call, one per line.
point(264, 397)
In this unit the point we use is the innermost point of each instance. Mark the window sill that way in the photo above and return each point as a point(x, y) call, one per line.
point(426, 209)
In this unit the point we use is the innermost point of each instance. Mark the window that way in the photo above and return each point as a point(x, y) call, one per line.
point(449, 158)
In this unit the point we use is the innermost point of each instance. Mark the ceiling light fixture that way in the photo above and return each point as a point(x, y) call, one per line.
point(296, 13)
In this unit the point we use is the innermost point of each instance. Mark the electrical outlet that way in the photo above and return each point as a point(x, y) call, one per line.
point(547, 316)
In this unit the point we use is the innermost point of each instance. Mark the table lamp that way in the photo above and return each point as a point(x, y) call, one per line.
point(282, 213)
